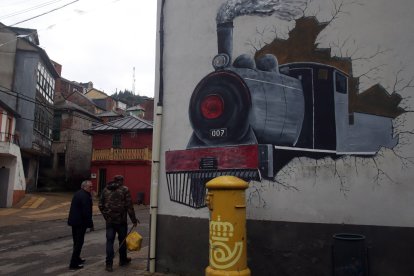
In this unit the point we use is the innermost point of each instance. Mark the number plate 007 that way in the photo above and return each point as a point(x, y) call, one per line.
point(218, 132)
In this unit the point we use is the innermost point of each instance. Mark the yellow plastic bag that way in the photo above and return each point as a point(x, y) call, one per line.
point(133, 241)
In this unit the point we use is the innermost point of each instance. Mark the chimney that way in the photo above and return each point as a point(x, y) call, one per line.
point(225, 38)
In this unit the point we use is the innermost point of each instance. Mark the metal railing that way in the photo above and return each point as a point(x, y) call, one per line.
point(121, 154)
point(8, 137)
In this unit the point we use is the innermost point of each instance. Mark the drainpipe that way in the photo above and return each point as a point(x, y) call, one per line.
point(156, 144)
point(154, 186)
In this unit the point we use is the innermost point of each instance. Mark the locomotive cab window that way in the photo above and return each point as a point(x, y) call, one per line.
point(341, 83)
point(323, 74)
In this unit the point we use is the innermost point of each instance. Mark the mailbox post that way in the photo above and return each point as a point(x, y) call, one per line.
point(226, 200)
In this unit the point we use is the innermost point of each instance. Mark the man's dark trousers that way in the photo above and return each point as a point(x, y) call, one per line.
point(78, 235)
point(111, 230)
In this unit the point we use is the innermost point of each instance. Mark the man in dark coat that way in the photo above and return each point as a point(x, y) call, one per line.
point(115, 203)
point(80, 218)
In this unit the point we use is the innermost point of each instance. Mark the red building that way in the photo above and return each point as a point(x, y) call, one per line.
point(123, 147)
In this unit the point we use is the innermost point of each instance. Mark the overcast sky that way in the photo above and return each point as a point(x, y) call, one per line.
point(94, 40)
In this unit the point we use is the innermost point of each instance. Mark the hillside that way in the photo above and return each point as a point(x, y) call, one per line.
point(130, 99)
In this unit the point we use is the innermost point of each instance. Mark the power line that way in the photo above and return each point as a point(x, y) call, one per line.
point(15, 2)
point(28, 9)
point(96, 7)
point(36, 121)
point(32, 100)
point(39, 15)
point(47, 106)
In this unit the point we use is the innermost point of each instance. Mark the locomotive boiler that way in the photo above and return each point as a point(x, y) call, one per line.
point(248, 102)
point(250, 117)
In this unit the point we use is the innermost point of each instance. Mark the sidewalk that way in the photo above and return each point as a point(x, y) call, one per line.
point(136, 267)
point(37, 207)
point(55, 206)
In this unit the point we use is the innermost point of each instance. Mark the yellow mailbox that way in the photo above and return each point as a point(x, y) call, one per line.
point(227, 203)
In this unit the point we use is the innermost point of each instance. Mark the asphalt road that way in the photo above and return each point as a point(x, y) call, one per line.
point(45, 247)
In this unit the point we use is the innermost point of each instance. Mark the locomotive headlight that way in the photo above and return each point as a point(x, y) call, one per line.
point(219, 109)
point(212, 106)
point(220, 61)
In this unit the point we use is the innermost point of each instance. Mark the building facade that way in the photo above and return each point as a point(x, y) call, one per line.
point(69, 163)
point(28, 82)
point(123, 147)
point(73, 91)
point(101, 99)
point(120, 107)
point(148, 106)
point(136, 110)
point(12, 181)
point(108, 116)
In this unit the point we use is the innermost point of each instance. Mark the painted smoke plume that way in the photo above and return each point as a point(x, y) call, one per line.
point(283, 9)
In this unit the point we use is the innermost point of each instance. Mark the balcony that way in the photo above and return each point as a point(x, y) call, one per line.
point(8, 137)
point(143, 154)
point(41, 143)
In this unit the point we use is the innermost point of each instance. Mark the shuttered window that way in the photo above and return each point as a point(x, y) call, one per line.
point(116, 140)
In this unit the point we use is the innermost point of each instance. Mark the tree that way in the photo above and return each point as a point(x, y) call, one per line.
point(129, 98)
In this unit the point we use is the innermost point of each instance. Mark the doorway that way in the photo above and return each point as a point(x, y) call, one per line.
point(319, 127)
point(102, 180)
point(4, 186)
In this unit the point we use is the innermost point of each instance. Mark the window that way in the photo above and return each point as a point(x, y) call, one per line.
point(46, 162)
point(57, 119)
point(61, 160)
point(45, 83)
point(351, 119)
point(26, 166)
point(43, 119)
point(341, 83)
point(116, 140)
point(322, 74)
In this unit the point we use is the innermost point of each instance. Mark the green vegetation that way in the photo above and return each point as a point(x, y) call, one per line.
point(129, 98)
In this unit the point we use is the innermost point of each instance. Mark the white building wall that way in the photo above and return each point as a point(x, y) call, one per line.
point(351, 190)
point(121, 105)
point(10, 158)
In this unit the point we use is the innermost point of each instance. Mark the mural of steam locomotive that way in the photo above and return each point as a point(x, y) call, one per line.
point(250, 117)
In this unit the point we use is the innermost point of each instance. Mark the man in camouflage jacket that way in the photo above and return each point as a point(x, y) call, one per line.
point(114, 204)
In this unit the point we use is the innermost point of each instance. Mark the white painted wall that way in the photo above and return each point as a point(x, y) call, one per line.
point(377, 191)
point(10, 158)
point(121, 105)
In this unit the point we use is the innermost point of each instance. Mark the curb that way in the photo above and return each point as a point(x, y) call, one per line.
point(136, 267)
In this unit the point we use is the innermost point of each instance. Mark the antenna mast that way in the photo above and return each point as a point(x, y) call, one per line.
point(133, 80)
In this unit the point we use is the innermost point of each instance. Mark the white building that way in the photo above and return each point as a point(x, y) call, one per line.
point(12, 182)
point(316, 172)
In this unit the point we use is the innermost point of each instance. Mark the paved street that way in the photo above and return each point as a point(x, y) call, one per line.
point(35, 240)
